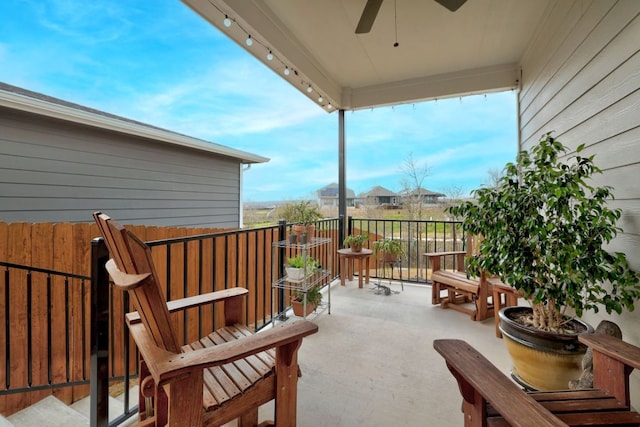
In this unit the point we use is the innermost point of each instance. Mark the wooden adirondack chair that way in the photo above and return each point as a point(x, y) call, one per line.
point(225, 375)
point(490, 399)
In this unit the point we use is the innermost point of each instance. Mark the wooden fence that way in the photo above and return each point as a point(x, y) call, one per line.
point(45, 341)
point(45, 336)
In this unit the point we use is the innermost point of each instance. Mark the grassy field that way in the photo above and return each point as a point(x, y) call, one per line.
point(267, 217)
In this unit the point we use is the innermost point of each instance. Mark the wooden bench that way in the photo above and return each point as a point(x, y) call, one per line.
point(492, 399)
point(487, 292)
point(459, 288)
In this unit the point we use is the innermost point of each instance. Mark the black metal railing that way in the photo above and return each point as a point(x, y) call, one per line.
point(87, 323)
point(33, 318)
point(417, 238)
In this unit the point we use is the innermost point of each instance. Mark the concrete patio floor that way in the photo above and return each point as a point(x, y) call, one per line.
point(372, 363)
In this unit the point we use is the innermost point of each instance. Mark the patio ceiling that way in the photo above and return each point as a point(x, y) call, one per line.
point(440, 54)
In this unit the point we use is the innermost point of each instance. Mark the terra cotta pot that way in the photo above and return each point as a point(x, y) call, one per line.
point(298, 308)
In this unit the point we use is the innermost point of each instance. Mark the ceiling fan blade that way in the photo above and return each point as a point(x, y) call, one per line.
point(368, 16)
point(452, 5)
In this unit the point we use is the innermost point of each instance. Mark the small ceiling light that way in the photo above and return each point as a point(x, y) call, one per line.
point(329, 106)
point(309, 89)
point(249, 40)
point(227, 21)
point(270, 56)
point(286, 71)
point(320, 98)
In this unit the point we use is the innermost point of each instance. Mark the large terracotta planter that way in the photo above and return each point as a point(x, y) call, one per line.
point(542, 360)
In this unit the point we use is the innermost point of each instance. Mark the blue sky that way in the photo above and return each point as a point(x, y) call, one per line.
point(159, 63)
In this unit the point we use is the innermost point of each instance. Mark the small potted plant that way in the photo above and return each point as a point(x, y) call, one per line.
point(304, 215)
point(544, 228)
point(304, 234)
point(293, 237)
point(390, 250)
point(298, 268)
point(314, 298)
point(356, 241)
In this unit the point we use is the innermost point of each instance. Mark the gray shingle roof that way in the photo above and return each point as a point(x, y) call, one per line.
point(21, 99)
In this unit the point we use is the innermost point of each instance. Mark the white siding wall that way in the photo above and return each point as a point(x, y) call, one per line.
point(56, 171)
point(581, 80)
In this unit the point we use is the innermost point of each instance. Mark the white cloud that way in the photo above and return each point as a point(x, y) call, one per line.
point(223, 99)
point(91, 22)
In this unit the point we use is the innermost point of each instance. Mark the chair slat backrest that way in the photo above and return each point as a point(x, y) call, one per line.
point(133, 256)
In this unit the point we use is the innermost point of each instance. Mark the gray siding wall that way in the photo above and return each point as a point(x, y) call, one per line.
point(56, 171)
point(581, 79)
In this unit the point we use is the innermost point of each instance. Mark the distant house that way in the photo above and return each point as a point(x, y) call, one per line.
point(59, 162)
point(422, 195)
point(328, 196)
point(380, 196)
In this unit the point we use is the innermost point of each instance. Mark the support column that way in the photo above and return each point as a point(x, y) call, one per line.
point(99, 383)
point(342, 175)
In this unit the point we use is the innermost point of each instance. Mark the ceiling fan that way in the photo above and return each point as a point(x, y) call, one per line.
point(371, 11)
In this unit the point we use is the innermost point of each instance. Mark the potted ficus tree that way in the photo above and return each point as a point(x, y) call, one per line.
point(543, 231)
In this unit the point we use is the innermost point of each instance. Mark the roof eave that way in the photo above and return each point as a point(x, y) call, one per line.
point(461, 83)
point(20, 102)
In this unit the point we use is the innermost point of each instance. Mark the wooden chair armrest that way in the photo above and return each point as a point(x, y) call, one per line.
point(195, 301)
point(613, 347)
point(164, 366)
point(449, 253)
point(480, 381)
point(208, 298)
point(613, 362)
point(125, 280)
